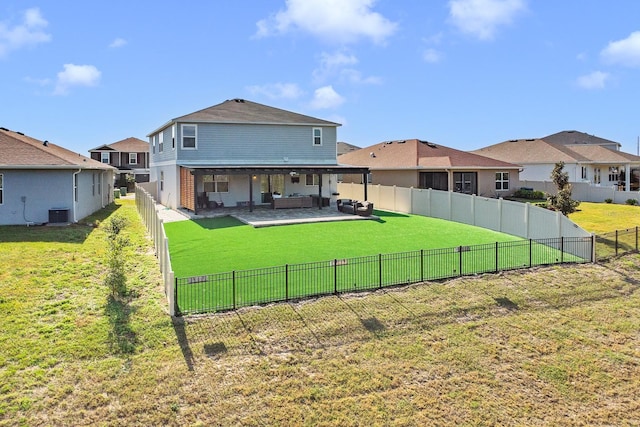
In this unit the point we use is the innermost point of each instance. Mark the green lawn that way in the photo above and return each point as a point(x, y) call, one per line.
point(225, 244)
point(603, 218)
point(549, 346)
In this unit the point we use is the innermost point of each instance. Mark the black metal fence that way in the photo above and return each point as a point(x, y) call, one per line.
point(235, 289)
point(617, 242)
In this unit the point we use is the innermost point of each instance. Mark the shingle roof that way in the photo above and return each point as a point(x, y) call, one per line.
point(344, 147)
point(128, 145)
point(19, 150)
point(575, 137)
point(541, 151)
point(417, 154)
point(241, 111)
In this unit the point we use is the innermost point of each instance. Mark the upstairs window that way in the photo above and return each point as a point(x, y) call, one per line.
point(317, 136)
point(189, 136)
point(502, 181)
point(104, 157)
point(133, 158)
point(160, 142)
point(154, 138)
point(173, 137)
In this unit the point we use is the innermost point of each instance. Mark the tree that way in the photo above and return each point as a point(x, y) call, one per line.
point(562, 200)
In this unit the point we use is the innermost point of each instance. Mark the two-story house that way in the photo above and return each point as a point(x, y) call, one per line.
point(130, 156)
point(241, 153)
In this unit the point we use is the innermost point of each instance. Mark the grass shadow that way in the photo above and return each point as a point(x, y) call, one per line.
point(218, 223)
point(122, 338)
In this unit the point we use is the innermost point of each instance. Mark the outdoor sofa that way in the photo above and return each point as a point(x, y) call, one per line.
point(355, 207)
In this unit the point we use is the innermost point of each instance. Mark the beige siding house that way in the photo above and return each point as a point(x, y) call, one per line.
point(422, 164)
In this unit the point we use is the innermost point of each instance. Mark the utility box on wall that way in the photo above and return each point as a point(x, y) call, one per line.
point(57, 215)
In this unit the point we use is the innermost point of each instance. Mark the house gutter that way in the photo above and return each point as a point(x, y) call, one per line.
point(73, 195)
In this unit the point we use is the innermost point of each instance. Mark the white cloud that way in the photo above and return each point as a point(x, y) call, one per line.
point(595, 80)
point(339, 64)
point(341, 21)
point(119, 42)
point(481, 18)
point(624, 52)
point(76, 75)
point(38, 82)
point(277, 90)
point(28, 33)
point(326, 97)
point(431, 56)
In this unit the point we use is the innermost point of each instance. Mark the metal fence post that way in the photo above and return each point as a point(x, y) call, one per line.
point(562, 250)
point(497, 264)
point(530, 252)
point(335, 276)
point(380, 270)
point(636, 238)
point(422, 265)
point(233, 279)
point(460, 260)
point(616, 242)
point(286, 282)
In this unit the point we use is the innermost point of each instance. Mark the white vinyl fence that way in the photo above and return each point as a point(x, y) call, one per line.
point(585, 192)
point(519, 219)
point(146, 206)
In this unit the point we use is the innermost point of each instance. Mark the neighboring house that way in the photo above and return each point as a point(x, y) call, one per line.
point(422, 164)
point(130, 156)
point(586, 158)
point(41, 182)
point(344, 148)
point(243, 153)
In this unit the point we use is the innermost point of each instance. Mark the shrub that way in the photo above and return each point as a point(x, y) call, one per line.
point(631, 202)
point(528, 194)
point(608, 200)
point(116, 278)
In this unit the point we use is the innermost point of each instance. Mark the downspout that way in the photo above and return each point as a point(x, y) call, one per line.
point(73, 195)
point(102, 191)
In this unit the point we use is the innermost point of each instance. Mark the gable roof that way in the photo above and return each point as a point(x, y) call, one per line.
point(20, 151)
point(127, 145)
point(417, 154)
point(344, 147)
point(241, 111)
point(542, 151)
point(567, 137)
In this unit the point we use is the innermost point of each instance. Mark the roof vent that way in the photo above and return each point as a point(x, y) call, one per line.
point(401, 142)
point(239, 100)
point(4, 129)
point(20, 133)
point(389, 142)
point(530, 139)
point(372, 154)
point(513, 140)
point(429, 144)
point(45, 143)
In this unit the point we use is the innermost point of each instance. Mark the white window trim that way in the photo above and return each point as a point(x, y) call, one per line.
point(502, 181)
point(154, 138)
point(182, 126)
point(313, 137)
point(102, 157)
point(135, 157)
point(173, 137)
point(315, 181)
point(160, 142)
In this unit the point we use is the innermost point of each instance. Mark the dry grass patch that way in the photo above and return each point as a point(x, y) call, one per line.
point(550, 346)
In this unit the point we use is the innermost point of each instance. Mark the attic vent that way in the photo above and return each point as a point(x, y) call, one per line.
point(429, 144)
point(389, 142)
point(513, 140)
point(45, 143)
point(239, 100)
point(531, 139)
point(401, 142)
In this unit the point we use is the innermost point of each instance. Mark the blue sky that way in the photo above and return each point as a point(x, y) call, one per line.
point(461, 73)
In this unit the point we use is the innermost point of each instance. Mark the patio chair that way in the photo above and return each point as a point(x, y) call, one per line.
point(364, 209)
point(345, 202)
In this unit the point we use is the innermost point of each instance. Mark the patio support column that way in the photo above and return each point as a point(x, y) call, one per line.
point(627, 177)
point(320, 191)
point(364, 180)
point(250, 193)
point(195, 192)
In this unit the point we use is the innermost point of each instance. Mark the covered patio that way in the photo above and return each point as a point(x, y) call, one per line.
point(205, 188)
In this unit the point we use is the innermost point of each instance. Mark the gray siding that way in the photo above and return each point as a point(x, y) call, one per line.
point(47, 189)
point(228, 144)
point(168, 153)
